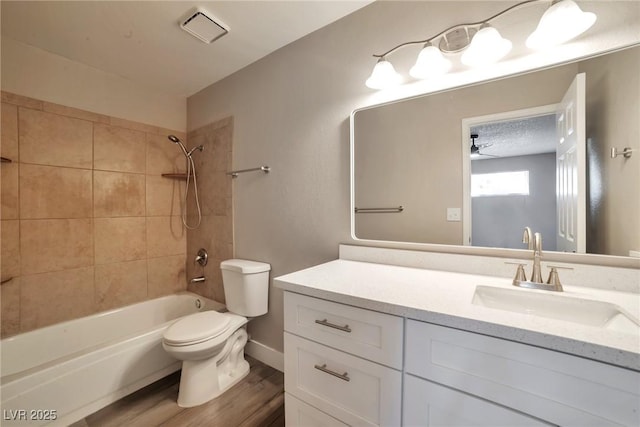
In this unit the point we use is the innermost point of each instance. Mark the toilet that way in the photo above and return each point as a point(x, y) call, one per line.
point(210, 343)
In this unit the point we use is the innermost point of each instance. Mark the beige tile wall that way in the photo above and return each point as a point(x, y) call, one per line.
point(215, 233)
point(87, 222)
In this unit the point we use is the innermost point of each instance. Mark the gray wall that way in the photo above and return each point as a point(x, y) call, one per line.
point(614, 184)
point(498, 221)
point(291, 111)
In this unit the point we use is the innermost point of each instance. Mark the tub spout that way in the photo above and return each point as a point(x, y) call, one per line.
point(197, 279)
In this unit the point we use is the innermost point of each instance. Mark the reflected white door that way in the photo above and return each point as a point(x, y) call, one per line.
point(571, 168)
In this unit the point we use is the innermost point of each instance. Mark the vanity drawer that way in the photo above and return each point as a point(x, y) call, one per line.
point(300, 414)
point(557, 387)
point(351, 389)
point(428, 404)
point(369, 334)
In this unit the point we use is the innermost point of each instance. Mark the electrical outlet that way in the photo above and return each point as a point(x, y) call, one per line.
point(453, 214)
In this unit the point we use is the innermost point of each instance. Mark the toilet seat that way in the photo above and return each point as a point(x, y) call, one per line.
point(197, 328)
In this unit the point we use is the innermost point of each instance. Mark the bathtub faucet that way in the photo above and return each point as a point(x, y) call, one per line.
point(197, 279)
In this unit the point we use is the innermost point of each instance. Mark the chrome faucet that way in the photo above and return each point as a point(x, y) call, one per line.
point(534, 245)
point(520, 280)
point(526, 238)
point(536, 274)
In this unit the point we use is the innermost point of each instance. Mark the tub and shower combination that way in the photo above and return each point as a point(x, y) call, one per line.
point(61, 373)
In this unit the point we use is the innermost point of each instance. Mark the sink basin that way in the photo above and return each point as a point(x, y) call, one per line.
point(586, 312)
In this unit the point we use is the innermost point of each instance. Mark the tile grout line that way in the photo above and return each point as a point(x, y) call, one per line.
point(93, 219)
point(19, 243)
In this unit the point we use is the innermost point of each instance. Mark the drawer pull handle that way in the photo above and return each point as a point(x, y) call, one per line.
point(324, 322)
point(323, 368)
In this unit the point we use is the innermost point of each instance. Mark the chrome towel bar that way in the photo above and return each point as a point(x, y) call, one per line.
point(379, 210)
point(234, 174)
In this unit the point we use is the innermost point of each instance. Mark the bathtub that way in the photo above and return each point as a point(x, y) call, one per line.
point(61, 373)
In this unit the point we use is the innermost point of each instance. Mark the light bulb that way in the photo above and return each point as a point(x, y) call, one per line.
point(487, 47)
point(430, 63)
point(560, 23)
point(383, 75)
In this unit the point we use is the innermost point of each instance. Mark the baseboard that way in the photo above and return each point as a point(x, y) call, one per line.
point(266, 355)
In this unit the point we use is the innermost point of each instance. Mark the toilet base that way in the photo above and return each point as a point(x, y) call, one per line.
point(194, 392)
point(204, 380)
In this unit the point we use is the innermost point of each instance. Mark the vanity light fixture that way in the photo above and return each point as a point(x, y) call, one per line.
point(482, 44)
point(383, 75)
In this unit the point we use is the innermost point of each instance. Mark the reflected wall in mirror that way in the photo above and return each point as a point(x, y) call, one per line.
point(415, 153)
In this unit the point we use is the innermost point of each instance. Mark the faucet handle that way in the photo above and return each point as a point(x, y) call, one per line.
point(202, 257)
point(520, 275)
point(554, 280)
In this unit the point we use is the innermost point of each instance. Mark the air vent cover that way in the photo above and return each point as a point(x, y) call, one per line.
point(203, 26)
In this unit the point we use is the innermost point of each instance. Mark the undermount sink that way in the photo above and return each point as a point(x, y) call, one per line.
point(586, 312)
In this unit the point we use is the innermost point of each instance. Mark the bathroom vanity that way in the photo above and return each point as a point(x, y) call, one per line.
point(372, 343)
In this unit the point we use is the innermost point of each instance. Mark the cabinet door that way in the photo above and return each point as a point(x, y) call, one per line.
point(563, 389)
point(351, 389)
point(299, 414)
point(427, 404)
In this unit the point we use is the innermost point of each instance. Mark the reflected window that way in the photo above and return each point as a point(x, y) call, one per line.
point(500, 184)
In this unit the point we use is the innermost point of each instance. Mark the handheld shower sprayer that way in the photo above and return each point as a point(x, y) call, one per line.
point(191, 174)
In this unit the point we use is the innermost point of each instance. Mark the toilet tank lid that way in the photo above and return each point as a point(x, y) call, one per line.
point(245, 266)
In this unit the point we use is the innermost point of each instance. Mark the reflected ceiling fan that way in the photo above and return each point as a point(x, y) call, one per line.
point(475, 149)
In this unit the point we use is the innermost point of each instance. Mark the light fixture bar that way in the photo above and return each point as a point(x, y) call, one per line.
point(457, 27)
point(481, 44)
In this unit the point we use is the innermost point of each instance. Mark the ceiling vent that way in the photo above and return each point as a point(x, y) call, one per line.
point(203, 26)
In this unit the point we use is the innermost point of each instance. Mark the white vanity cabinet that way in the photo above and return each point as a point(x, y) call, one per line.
point(342, 364)
point(381, 344)
point(447, 367)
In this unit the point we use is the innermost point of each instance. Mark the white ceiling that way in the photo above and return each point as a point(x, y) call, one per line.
point(519, 137)
point(142, 40)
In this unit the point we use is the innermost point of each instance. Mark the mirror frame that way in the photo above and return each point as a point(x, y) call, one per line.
point(573, 258)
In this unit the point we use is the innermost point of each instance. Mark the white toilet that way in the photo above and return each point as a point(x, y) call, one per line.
point(211, 344)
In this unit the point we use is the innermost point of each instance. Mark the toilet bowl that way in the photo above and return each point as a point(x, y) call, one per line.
point(211, 344)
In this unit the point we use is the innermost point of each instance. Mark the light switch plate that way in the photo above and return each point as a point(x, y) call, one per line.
point(454, 214)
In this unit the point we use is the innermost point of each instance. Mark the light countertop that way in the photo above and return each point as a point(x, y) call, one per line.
point(445, 298)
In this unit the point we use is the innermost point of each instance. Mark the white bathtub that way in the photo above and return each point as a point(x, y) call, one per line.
point(61, 373)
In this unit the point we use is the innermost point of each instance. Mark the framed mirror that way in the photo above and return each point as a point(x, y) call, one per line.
point(413, 170)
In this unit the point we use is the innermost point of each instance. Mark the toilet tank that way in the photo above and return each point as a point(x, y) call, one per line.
point(246, 286)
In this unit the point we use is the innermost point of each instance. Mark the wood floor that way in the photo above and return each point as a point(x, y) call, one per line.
point(258, 400)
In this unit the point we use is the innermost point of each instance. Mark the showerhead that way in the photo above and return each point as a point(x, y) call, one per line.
point(176, 140)
point(188, 154)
